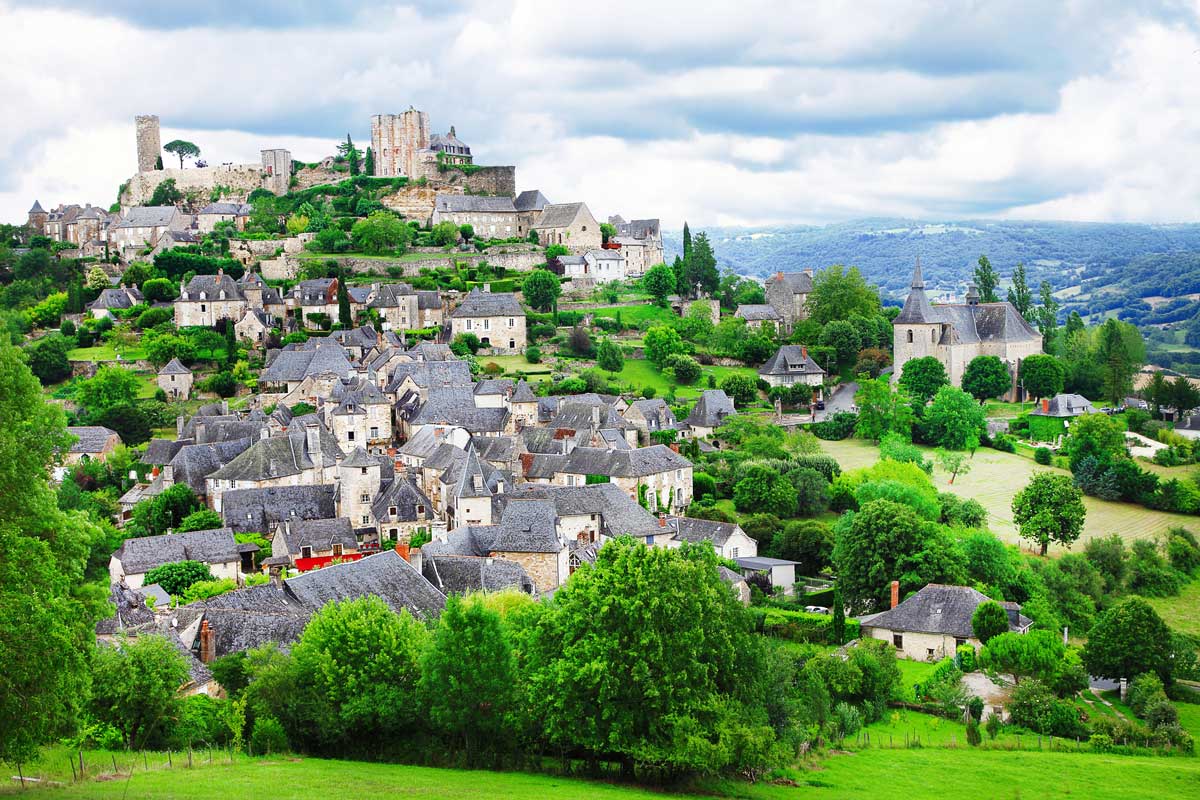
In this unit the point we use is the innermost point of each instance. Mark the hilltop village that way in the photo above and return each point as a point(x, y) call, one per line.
point(322, 418)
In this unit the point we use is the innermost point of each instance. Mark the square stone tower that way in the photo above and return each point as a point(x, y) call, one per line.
point(277, 170)
point(149, 144)
point(395, 141)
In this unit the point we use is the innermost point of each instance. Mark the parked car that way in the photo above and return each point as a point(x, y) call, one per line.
point(820, 405)
point(816, 609)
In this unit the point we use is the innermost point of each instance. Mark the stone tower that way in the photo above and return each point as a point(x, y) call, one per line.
point(149, 144)
point(360, 478)
point(37, 220)
point(396, 140)
point(277, 170)
point(917, 328)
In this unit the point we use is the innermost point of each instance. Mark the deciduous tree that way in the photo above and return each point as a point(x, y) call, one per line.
point(986, 377)
point(1128, 640)
point(541, 289)
point(1049, 509)
point(953, 420)
point(659, 282)
point(1042, 375)
point(986, 280)
point(922, 377)
point(989, 620)
point(135, 688)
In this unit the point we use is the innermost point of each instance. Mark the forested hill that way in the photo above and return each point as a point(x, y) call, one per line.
point(1136, 260)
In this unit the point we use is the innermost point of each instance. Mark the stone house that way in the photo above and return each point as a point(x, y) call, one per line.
point(756, 315)
point(655, 476)
point(651, 415)
point(529, 205)
point(641, 242)
point(111, 300)
point(143, 226)
point(402, 509)
point(307, 456)
point(317, 296)
point(497, 319)
point(206, 299)
point(490, 217)
point(175, 380)
point(788, 293)
point(92, 443)
point(398, 306)
point(569, 224)
point(792, 365)
point(605, 265)
point(727, 538)
point(958, 332)
point(254, 326)
point(213, 213)
point(314, 543)
point(707, 415)
point(215, 548)
point(934, 622)
point(361, 418)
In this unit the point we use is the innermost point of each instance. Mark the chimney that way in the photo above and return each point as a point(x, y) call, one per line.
point(220, 272)
point(264, 433)
point(154, 472)
point(808, 271)
point(275, 571)
point(179, 427)
point(225, 407)
point(168, 473)
point(595, 415)
point(895, 593)
point(526, 463)
point(675, 446)
point(403, 551)
point(662, 520)
point(206, 643)
point(804, 350)
point(414, 558)
point(1045, 405)
point(779, 275)
point(312, 438)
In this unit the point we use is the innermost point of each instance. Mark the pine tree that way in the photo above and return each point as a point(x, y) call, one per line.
point(348, 151)
point(986, 280)
point(1020, 295)
point(369, 162)
point(700, 267)
point(687, 240)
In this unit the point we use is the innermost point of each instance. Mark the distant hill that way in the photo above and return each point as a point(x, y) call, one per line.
point(1113, 264)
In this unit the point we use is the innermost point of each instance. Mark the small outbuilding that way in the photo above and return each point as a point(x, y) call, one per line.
point(175, 380)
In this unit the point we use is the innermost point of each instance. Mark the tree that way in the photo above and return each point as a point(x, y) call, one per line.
point(183, 149)
point(47, 358)
point(659, 282)
point(356, 668)
point(345, 317)
point(661, 342)
point(844, 338)
point(990, 619)
point(839, 293)
point(135, 687)
point(986, 280)
point(607, 231)
point(156, 289)
point(443, 234)
point(109, 387)
point(1049, 509)
point(130, 422)
point(1047, 316)
point(1126, 641)
point(687, 240)
point(1118, 361)
point(764, 490)
point(742, 389)
point(700, 267)
point(381, 232)
point(1042, 375)
point(873, 547)
point(614, 631)
point(97, 278)
point(166, 194)
point(837, 625)
point(1182, 394)
point(985, 377)
point(805, 541)
point(953, 462)
point(1036, 654)
point(923, 377)
point(1019, 294)
point(369, 162)
point(541, 289)
point(177, 576)
point(609, 356)
point(349, 152)
point(685, 368)
point(203, 520)
point(953, 420)
point(468, 675)
point(882, 410)
point(165, 511)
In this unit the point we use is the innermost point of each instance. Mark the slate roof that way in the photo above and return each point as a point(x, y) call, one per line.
point(279, 456)
point(212, 286)
point(1065, 405)
point(385, 575)
point(941, 609)
point(429, 298)
point(636, 463)
point(656, 412)
point(542, 440)
point(432, 374)
point(319, 534)
point(174, 367)
point(193, 463)
point(228, 209)
point(90, 438)
point(474, 203)
point(528, 526)
point(160, 451)
point(296, 365)
point(618, 513)
point(215, 546)
point(711, 409)
point(110, 299)
point(131, 610)
point(688, 529)
point(257, 510)
point(797, 282)
point(472, 480)
point(486, 386)
point(559, 215)
point(37, 207)
point(601, 254)
point(543, 465)
point(757, 313)
point(389, 295)
point(791, 359)
point(422, 443)
point(456, 406)
point(431, 351)
point(403, 495)
point(522, 393)
point(461, 574)
point(639, 228)
point(148, 217)
point(488, 304)
point(528, 200)
point(575, 415)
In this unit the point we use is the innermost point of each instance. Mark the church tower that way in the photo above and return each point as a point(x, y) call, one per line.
point(917, 329)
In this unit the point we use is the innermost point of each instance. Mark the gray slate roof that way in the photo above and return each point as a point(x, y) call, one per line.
point(528, 200)
point(215, 546)
point(193, 463)
point(637, 463)
point(296, 365)
point(174, 367)
point(688, 529)
point(461, 574)
point(280, 456)
point(474, 203)
point(319, 534)
point(488, 304)
point(797, 282)
point(941, 609)
point(1065, 405)
point(757, 313)
point(559, 215)
point(90, 438)
point(148, 217)
point(711, 409)
point(211, 287)
point(791, 359)
point(257, 510)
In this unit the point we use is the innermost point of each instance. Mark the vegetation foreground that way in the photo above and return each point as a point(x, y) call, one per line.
point(981, 774)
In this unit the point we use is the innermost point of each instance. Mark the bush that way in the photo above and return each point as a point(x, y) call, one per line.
point(800, 626)
point(839, 426)
point(154, 316)
point(648, 392)
point(268, 737)
point(492, 368)
point(973, 736)
point(1035, 707)
point(687, 369)
point(1043, 456)
point(223, 384)
point(1004, 444)
point(533, 354)
point(1144, 690)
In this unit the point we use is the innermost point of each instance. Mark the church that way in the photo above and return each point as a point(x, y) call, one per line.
point(955, 333)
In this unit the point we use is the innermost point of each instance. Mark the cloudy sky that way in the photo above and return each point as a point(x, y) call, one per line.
point(749, 113)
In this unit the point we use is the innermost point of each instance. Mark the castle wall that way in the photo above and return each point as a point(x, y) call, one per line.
point(395, 141)
point(241, 178)
point(277, 170)
point(149, 142)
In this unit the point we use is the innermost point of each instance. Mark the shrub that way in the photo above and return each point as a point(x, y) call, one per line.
point(1183, 551)
point(268, 737)
point(800, 626)
point(839, 426)
point(973, 736)
point(687, 369)
point(1043, 456)
point(648, 392)
point(1034, 706)
point(1004, 444)
point(533, 354)
point(1144, 690)
point(223, 384)
point(492, 368)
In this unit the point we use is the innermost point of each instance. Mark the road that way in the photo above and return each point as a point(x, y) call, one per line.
point(840, 400)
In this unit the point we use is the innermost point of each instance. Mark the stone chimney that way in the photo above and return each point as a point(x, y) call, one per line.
point(779, 275)
point(206, 643)
point(225, 408)
point(200, 428)
point(808, 271)
point(312, 438)
point(168, 473)
point(276, 573)
point(895, 593)
point(179, 423)
point(264, 433)
point(675, 446)
point(595, 415)
point(526, 463)
point(804, 350)
point(1045, 405)
point(415, 558)
point(662, 520)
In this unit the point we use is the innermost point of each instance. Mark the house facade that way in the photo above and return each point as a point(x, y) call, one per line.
point(497, 319)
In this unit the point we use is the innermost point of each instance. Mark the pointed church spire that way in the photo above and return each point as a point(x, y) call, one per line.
point(917, 309)
point(918, 282)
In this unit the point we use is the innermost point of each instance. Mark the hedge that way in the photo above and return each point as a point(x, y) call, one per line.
point(800, 626)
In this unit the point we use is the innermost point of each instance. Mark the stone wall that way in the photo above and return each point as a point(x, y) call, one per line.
point(149, 143)
point(414, 201)
point(498, 181)
point(241, 178)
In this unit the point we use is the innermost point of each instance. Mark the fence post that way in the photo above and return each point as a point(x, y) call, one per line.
point(169, 764)
point(189, 756)
point(71, 762)
point(82, 771)
point(114, 760)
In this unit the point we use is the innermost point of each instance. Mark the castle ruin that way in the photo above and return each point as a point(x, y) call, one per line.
point(404, 147)
point(149, 142)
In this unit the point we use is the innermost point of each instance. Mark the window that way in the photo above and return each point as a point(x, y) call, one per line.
point(910, 337)
point(306, 552)
point(366, 519)
point(487, 324)
point(362, 470)
point(203, 307)
point(897, 641)
point(733, 553)
point(420, 509)
point(933, 335)
point(364, 498)
point(374, 432)
point(350, 436)
point(337, 550)
point(929, 652)
point(391, 511)
point(510, 322)
point(958, 642)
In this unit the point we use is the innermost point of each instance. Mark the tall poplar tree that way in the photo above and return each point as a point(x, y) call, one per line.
point(986, 280)
point(343, 296)
point(1020, 295)
point(687, 240)
point(369, 162)
point(1047, 317)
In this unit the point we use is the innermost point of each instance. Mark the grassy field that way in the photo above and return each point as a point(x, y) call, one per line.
point(913, 671)
point(535, 372)
point(878, 774)
point(1182, 613)
point(641, 373)
point(996, 477)
point(105, 353)
point(995, 408)
point(636, 315)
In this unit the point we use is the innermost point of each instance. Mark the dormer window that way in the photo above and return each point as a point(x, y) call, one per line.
point(391, 511)
point(306, 552)
point(337, 550)
point(420, 509)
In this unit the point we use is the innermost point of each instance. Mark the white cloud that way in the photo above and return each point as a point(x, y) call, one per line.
point(737, 115)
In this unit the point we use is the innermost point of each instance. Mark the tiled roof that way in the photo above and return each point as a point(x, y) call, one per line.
point(940, 609)
point(488, 304)
point(215, 546)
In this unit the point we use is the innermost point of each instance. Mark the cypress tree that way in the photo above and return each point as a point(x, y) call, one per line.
point(231, 350)
point(343, 296)
point(369, 162)
point(687, 241)
point(837, 625)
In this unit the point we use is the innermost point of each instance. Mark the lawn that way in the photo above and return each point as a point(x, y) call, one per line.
point(636, 315)
point(105, 353)
point(996, 477)
point(878, 774)
point(912, 672)
point(535, 372)
point(641, 373)
point(1182, 613)
point(995, 408)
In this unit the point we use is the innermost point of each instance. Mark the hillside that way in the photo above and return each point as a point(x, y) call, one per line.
point(1115, 262)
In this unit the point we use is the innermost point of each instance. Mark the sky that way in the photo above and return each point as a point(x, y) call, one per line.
point(749, 113)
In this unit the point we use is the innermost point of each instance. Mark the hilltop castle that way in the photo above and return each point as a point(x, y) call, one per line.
point(403, 146)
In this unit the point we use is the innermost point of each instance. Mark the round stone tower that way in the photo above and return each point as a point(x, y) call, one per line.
point(149, 143)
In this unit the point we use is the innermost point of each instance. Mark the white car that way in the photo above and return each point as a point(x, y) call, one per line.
point(816, 609)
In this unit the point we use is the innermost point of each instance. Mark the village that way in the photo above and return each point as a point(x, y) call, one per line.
point(393, 376)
